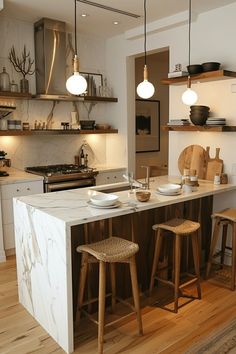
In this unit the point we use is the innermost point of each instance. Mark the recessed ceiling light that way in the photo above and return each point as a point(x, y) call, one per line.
point(84, 15)
point(115, 23)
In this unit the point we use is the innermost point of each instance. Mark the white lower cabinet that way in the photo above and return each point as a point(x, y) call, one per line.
point(8, 192)
point(108, 177)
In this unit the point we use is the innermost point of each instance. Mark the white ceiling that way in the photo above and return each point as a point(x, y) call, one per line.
point(100, 21)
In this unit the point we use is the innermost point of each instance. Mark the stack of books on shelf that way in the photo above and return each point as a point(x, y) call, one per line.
point(216, 121)
point(179, 122)
point(177, 74)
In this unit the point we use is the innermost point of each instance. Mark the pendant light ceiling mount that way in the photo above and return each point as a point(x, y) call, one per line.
point(189, 96)
point(145, 89)
point(76, 84)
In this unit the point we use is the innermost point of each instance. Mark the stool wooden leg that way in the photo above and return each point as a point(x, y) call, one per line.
point(155, 258)
point(101, 305)
point(196, 259)
point(223, 243)
point(113, 286)
point(82, 280)
point(213, 245)
point(177, 270)
point(233, 255)
point(134, 281)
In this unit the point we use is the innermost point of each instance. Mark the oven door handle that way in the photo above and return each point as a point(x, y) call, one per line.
point(51, 187)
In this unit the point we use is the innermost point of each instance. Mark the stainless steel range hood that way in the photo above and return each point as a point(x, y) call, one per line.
point(50, 57)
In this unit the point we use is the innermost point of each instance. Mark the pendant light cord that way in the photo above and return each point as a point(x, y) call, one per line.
point(75, 29)
point(145, 33)
point(189, 31)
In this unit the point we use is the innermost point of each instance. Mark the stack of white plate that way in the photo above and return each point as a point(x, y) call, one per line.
point(104, 201)
point(216, 121)
point(169, 189)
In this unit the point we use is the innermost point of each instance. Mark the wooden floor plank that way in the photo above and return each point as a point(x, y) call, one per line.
point(164, 332)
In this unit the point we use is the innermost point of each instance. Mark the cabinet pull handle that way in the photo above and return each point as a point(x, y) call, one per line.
point(28, 189)
point(17, 190)
point(114, 176)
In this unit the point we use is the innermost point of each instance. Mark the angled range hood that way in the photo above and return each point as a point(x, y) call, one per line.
point(50, 57)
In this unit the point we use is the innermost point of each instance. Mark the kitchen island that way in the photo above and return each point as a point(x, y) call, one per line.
point(48, 227)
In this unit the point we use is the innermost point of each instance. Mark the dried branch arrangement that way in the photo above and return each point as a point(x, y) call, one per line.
point(22, 64)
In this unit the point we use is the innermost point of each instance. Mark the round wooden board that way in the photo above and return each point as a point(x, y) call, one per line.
point(194, 157)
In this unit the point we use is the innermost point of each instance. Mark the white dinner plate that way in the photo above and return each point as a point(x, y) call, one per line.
point(170, 193)
point(116, 205)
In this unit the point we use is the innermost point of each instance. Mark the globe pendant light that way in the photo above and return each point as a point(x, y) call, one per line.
point(145, 89)
point(76, 84)
point(189, 96)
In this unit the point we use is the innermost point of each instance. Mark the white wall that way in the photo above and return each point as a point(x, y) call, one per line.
point(28, 151)
point(213, 36)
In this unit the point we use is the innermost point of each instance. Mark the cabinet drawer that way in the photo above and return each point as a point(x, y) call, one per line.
point(9, 191)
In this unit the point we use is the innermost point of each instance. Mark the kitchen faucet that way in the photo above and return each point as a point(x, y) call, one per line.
point(135, 183)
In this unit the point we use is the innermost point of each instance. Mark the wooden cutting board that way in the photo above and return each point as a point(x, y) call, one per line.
point(214, 166)
point(194, 157)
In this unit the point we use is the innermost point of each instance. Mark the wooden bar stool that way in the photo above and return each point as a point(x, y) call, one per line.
point(111, 250)
point(179, 228)
point(223, 219)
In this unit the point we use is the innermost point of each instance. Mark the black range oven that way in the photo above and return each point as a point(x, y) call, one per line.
point(66, 176)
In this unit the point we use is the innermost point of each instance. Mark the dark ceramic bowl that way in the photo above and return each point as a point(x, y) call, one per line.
point(196, 109)
point(194, 69)
point(198, 120)
point(211, 66)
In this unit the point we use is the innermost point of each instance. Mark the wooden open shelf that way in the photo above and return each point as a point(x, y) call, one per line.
point(201, 128)
point(29, 96)
point(203, 77)
point(55, 132)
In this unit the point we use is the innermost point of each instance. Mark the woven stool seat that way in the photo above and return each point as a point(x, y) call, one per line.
point(112, 249)
point(178, 226)
point(229, 214)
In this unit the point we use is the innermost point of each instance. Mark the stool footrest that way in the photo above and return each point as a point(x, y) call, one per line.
point(191, 281)
point(95, 299)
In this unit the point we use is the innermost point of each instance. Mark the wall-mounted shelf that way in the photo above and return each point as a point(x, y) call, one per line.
point(29, 96)
point(201, 128)
point(203, 77)
point(55, 132)
point(15, 95)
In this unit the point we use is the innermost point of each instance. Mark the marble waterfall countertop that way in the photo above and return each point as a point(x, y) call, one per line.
point(72, 206)
point(43, 235)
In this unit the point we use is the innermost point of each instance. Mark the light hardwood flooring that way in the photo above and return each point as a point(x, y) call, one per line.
point(164, 331)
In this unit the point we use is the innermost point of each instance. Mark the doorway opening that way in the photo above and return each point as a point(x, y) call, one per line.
point(151, 142)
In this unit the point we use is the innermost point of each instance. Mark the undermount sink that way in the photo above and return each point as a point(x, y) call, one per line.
point(113, 189)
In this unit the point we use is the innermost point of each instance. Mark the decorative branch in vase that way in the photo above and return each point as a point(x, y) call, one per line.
point(22, 65)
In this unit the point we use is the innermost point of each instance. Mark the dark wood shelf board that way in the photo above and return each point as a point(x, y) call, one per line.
point(28, 96)
point(202, 128)
point(55, 132)
point(15, 95)
point(203, 77)
point(74, 98)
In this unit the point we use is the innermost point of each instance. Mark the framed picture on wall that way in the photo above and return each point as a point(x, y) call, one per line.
point(147, 125)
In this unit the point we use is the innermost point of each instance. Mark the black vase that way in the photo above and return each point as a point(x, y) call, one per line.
point(24, 85)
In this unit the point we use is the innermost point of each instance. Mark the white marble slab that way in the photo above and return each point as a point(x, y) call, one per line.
point(16, 176)
point(44, 271)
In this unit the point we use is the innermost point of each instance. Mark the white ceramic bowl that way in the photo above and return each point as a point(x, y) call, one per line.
point(104, 199)
point(169, 187)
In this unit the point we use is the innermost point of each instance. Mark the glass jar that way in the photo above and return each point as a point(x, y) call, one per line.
point(14, 86)
point(4, 80)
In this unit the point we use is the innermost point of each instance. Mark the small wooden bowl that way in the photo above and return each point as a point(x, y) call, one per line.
point(143, 196)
